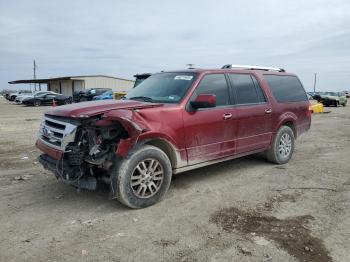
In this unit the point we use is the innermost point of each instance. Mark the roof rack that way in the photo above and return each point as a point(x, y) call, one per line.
point(229, 66)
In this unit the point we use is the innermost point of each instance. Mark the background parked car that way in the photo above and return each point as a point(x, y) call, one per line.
point(12, 96)
point(104, 96)
point(331, 98)
point(20, 98)
point(88, 94)
point(47, 99)
point(140, 78)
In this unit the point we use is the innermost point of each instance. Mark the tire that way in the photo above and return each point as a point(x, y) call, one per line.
point(336, 103)
point(344, 105)
point(37, 103)
point(133, 187)
point(280, 153)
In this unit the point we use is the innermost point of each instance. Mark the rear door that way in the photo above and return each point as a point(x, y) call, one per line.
point(253, 113)
point(209, 132)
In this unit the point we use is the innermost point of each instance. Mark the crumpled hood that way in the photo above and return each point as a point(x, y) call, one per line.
point(88, 109)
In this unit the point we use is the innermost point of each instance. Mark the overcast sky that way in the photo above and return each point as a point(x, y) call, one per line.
point(121, 38)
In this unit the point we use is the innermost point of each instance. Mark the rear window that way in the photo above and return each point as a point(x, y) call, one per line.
point(286, 88)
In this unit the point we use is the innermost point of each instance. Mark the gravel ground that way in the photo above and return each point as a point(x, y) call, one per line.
point(242, 210)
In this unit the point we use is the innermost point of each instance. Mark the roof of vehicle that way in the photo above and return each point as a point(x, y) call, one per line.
point(142, 75)
point(236, 70)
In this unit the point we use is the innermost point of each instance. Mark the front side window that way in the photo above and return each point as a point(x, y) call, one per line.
point(163, 88)
point(214, 84)
point(246, 89)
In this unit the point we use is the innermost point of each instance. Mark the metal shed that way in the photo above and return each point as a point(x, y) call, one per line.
point(68, 84)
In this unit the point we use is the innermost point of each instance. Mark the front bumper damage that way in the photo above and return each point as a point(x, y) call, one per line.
point(82, 151)
point(58, 167)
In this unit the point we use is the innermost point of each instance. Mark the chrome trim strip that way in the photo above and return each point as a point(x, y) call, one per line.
point(49, 144)
point(215, 161)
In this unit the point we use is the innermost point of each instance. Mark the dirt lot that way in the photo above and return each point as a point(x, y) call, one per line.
point(241, 210)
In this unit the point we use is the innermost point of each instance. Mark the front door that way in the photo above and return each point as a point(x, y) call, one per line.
point(209, 132)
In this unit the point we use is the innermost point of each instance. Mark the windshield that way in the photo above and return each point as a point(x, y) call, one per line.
point(163, 88)
point(139, 81)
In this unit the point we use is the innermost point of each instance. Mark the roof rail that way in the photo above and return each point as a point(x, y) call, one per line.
point(229, 66)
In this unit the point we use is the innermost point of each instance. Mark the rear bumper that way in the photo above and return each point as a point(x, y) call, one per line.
point(52, 152)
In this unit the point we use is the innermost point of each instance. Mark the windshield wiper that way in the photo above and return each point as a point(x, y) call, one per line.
point(143, 98)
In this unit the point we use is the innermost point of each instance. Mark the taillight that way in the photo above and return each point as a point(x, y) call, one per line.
point(310, 111)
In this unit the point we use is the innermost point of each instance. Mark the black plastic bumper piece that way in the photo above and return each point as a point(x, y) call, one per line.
point(56, 167)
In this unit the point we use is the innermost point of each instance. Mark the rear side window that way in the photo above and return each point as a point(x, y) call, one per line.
point(214, 84)
point(247, 89)
point(286, 88)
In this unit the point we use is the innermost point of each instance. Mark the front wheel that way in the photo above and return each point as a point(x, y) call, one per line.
point(143, 178)
point(282, 148)
point(37, 103)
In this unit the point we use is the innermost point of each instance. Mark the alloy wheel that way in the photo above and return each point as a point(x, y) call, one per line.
point(147, 178)
point(285, 145)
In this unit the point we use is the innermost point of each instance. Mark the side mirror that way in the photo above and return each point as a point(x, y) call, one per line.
point(204, 101)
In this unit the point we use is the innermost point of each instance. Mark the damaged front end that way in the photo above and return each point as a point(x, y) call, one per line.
point(81, 151)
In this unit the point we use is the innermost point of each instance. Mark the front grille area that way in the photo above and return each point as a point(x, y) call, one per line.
point(55, 124)
point(57, 133)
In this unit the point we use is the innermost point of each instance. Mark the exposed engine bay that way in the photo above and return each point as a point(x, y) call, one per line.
point(86, 157)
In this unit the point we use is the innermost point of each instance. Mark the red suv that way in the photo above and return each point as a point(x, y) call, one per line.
point(174, 122)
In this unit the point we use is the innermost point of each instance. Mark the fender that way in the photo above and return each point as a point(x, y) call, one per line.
point(140, 132)
point(132, 123)
point(284, 118)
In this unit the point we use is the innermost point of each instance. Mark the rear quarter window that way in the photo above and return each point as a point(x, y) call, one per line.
point(286, 88)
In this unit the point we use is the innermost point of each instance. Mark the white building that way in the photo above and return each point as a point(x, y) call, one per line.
point(68, 84)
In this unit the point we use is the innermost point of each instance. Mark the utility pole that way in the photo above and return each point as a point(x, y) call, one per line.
point(34, 69)
point(315, 82)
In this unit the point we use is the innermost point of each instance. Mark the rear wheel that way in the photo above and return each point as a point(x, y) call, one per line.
point(143, 178)
point(282, 148)
point(37, 103)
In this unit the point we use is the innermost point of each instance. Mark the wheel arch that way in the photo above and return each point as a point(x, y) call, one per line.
point(289, 120)
point(291, 124)
point(166, 147)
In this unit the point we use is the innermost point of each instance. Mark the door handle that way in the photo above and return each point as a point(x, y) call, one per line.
point(227, 116)
point(268, 111)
